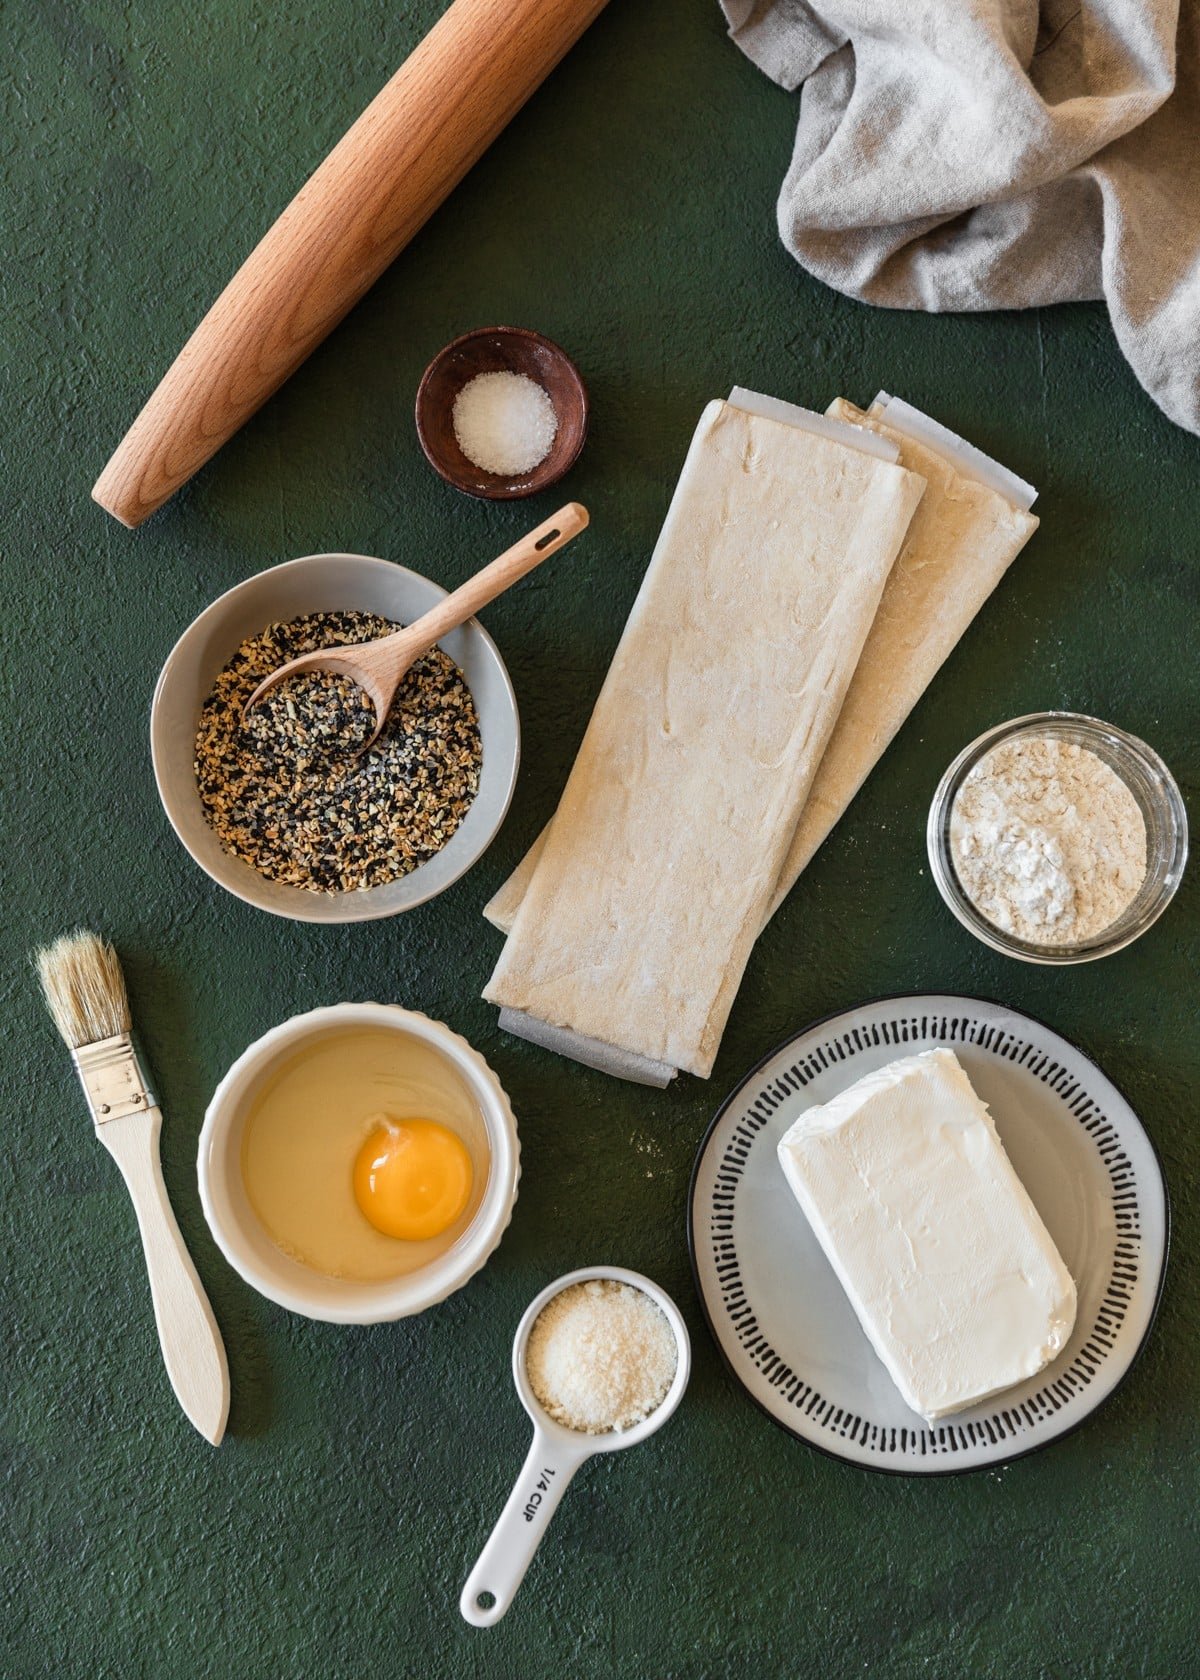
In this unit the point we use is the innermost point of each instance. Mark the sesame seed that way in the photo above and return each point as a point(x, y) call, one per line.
point(289, 790)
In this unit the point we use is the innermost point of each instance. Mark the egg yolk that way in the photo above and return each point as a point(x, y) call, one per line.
point(412, 1178)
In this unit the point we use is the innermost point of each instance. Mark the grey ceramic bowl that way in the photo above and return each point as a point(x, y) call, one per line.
point(327, 583)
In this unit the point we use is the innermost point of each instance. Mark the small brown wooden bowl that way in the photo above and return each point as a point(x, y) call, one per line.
point(500, 350)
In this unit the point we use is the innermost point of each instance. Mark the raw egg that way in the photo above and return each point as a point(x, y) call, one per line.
point(412, 1178)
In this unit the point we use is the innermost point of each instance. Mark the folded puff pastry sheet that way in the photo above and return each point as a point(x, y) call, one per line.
point(962, 540)
point(963, 537)
point(657, 872)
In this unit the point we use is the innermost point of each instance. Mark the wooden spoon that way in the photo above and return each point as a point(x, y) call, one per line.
point(379, 667)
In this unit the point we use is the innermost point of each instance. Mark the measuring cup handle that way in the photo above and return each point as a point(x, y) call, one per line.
point(523, 1521)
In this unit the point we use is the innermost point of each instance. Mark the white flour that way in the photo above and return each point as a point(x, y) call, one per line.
point(1047, 841)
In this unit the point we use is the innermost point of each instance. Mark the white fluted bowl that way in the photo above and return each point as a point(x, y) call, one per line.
point(244, 1240)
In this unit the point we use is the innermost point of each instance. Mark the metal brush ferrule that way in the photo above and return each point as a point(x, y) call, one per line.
point(112, 1077)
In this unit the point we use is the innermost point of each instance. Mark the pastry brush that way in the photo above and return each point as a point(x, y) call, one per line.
point(85, 991)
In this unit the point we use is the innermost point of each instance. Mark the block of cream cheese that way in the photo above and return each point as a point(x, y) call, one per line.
point(946, 1261)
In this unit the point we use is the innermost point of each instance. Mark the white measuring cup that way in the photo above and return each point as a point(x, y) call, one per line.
point(555, 1455)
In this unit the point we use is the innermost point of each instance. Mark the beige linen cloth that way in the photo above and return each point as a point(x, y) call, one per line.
point(999, 154)
point(666, 849)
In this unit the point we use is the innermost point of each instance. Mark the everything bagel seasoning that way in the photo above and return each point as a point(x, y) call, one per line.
point(288, 790)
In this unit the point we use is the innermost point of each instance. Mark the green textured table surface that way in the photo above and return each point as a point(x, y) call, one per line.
point(628, 212)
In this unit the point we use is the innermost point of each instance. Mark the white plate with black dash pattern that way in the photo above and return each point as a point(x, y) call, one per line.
point(778, 1313)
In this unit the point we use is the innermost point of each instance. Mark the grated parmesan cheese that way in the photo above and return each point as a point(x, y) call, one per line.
point(601, 1356)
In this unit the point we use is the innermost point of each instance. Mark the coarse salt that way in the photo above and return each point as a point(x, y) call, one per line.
point(601, 1356)
point(505, 423)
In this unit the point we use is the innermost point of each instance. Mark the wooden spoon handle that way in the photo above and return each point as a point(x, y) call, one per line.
point(464, 602)
point(382, 181)
point(379, 666)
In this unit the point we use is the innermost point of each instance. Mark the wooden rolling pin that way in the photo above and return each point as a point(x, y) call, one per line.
point(415, 141)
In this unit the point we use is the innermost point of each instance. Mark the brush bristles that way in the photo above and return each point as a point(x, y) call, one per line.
point(84, 988)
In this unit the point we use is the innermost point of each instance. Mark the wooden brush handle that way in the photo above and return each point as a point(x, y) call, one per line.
point(382, 181)
point(191, 1344)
